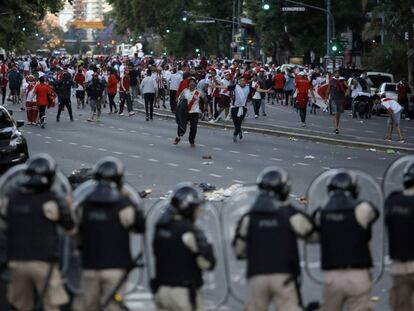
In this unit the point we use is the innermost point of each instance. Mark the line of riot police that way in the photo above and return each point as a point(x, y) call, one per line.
point(260, 224)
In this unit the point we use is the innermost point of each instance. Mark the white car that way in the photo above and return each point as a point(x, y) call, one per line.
point(389, 90)
point(376, 79)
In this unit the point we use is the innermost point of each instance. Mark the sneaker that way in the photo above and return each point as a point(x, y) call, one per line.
point(401, 141)
point(256, 116)
point(71, 120)
point(146, 119)
point(57, 120)
point(42, 126)
point(387, 139)
point(121, 114)
point(240, 135)
point(212, 121)
point(336, 131)
point(303, 124)
point(264, 115)
point(90, 120)
point(228, 118)
point(235, 139)
point(176, 140)
point(192, 145)
point(116, 111)
point(131, 113)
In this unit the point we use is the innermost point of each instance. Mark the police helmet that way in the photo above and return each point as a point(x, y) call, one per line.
point(408, 177)
point(343, 181)
point(109, 169)
point(40, 171)
point(186, 199)
point(274, 180)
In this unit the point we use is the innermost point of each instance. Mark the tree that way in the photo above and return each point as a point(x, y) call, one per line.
point(19, 17)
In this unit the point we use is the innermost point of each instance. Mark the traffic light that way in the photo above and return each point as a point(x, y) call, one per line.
point(336, 47)
point(266, 6)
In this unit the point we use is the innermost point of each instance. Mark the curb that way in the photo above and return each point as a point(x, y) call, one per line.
point(290, 134)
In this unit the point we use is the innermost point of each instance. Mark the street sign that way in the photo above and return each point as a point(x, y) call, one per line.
point(233, 44)
point(205, 21)
point(91, 24)
point(293, 9)
point(237, 37)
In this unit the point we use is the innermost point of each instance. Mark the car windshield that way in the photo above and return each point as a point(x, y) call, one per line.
point(5, 119)
point(390, 88)
point(377, 80)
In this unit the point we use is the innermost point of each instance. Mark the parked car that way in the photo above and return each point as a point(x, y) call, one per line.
point(389, 90)
point(376, 79)
point(13, 145)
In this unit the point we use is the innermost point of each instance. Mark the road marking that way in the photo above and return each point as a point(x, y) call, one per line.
point(146, 134)
point(153, 160)
point(112, 127)
point(303, 164)
point(275, 149)
point(215, 175)
point(325, 167)
point(121, 129)
point(39, 135)
point(48, 137)
point(252, 155)
point(201, 145)
point(135, 156)
point(102, 149)
point(238, 181)
point(234, 151)
point(217, 148)
point(275, 159)
point(72, 143)
point(132, 131)
point(86, 146)
point(59, 140)
point(118, 152)
point(151, 145)
point(193, 169)
point(28, 132)
point(47, 142)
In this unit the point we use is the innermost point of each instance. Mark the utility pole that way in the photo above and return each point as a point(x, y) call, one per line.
point(328, 26)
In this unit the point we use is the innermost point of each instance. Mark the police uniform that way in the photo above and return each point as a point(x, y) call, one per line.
point(107, 214)
point(32, 214)
point(181, 254)
point(399, 217)
point(345, 232)
point(267, 238)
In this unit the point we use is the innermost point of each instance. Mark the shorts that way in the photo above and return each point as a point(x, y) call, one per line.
point(80, 94)
point(336, 107)
point(224, 101)
point(396, 120)
point(14, 91)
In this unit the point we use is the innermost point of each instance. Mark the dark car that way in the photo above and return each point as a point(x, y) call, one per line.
point(13, 146)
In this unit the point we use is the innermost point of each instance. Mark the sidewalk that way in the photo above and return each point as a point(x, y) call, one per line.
point(284, 121)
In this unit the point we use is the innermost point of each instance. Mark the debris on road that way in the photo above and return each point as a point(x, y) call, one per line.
point(390, 151)
point(207, 157)
point(207, 163)
point(372, 149)
point(309, 157)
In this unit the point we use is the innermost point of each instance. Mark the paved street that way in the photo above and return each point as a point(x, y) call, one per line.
point(153, 162)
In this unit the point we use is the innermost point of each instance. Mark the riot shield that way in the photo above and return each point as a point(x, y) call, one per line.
point(215, 285)
point(318, 197)
point(393, 177)
point(232, 210)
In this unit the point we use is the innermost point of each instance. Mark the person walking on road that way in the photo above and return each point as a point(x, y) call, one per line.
point(188, 110)
point(95, 90)
point(64, 90)
point(174, 82)
point(15, 80)
point(149, 89)
point(112, 90)
point(256, 90)
point(238, 108)
point(279, 84)
point(289, 87)
point(124, 94)
point(30, 96)
point(303, 87)
point(79, 79)
point(43, 93)
point(336, 94)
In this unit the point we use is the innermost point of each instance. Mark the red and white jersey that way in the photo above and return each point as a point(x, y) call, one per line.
point(225, 83)
point(30, 92)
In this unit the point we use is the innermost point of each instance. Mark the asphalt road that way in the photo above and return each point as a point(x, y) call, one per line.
point(153, 162)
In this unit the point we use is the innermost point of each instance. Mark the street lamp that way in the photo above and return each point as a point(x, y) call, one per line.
point(36, 34)
point(24, 29)
point(131, 39)
point(266, 6)
point(167, 31)
point(184, 18)
point(197, 50)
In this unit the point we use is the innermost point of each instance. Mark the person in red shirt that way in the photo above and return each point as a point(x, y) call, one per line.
point(124, 94)
point(278, 85)
point(43, 92)
point(111, 89)
point(3, 79)
point(79, 79)
point(403, 89)
point(183, 84)
point(303, 87)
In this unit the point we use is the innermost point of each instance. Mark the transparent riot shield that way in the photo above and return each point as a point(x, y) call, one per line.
point(318, 197)
point(215, 285)
point(232, 210)
point(393, 177)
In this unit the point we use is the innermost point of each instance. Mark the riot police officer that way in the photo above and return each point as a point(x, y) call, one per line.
point(345, 232)
point(399, 217)
point(266, 236)
point(32, 210)
point(107, 210)
point(181, 253)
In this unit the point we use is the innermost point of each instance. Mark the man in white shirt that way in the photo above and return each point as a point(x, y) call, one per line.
point(394, 110)
point(148, 90)
point(238, 108)
point(188, 110)
point(174, 82)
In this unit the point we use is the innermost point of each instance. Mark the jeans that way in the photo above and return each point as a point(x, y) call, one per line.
point(237, 121)
point(149, 104)
point(302, 114)
point(288, 97)
point(111, 98)
point(3, 91)
point(125, 97)
point(193, 119)
point(256, 105)
point(263, 107)
point(173, 100)
point(95, 106)
point(64, 103)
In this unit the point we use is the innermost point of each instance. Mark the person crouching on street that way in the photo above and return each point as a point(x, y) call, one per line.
point(394, 111)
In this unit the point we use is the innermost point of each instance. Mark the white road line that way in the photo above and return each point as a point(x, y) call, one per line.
point(303, 164)
point(102, 149)
point(72, 143)
point(39, 135)
point(132, 131)
point(47, 142)
point(275, 159)
point(151, 145)
point(153, 160)
point(238, 181)
point(121, 129)
point(117, 152)
point(112, 127)
point(325, 167)
point(252, 155)
point(275, 149)
point(86, 146)
point(146, 134)
point(217, 148)
point(59, 140)
point(201, 145)
point(234, 151)
point(215, 175)
point(172, 164)
point(48, 137)
point(135, 156)
point(193, 169)
point(28, 132)
point(158, 136)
